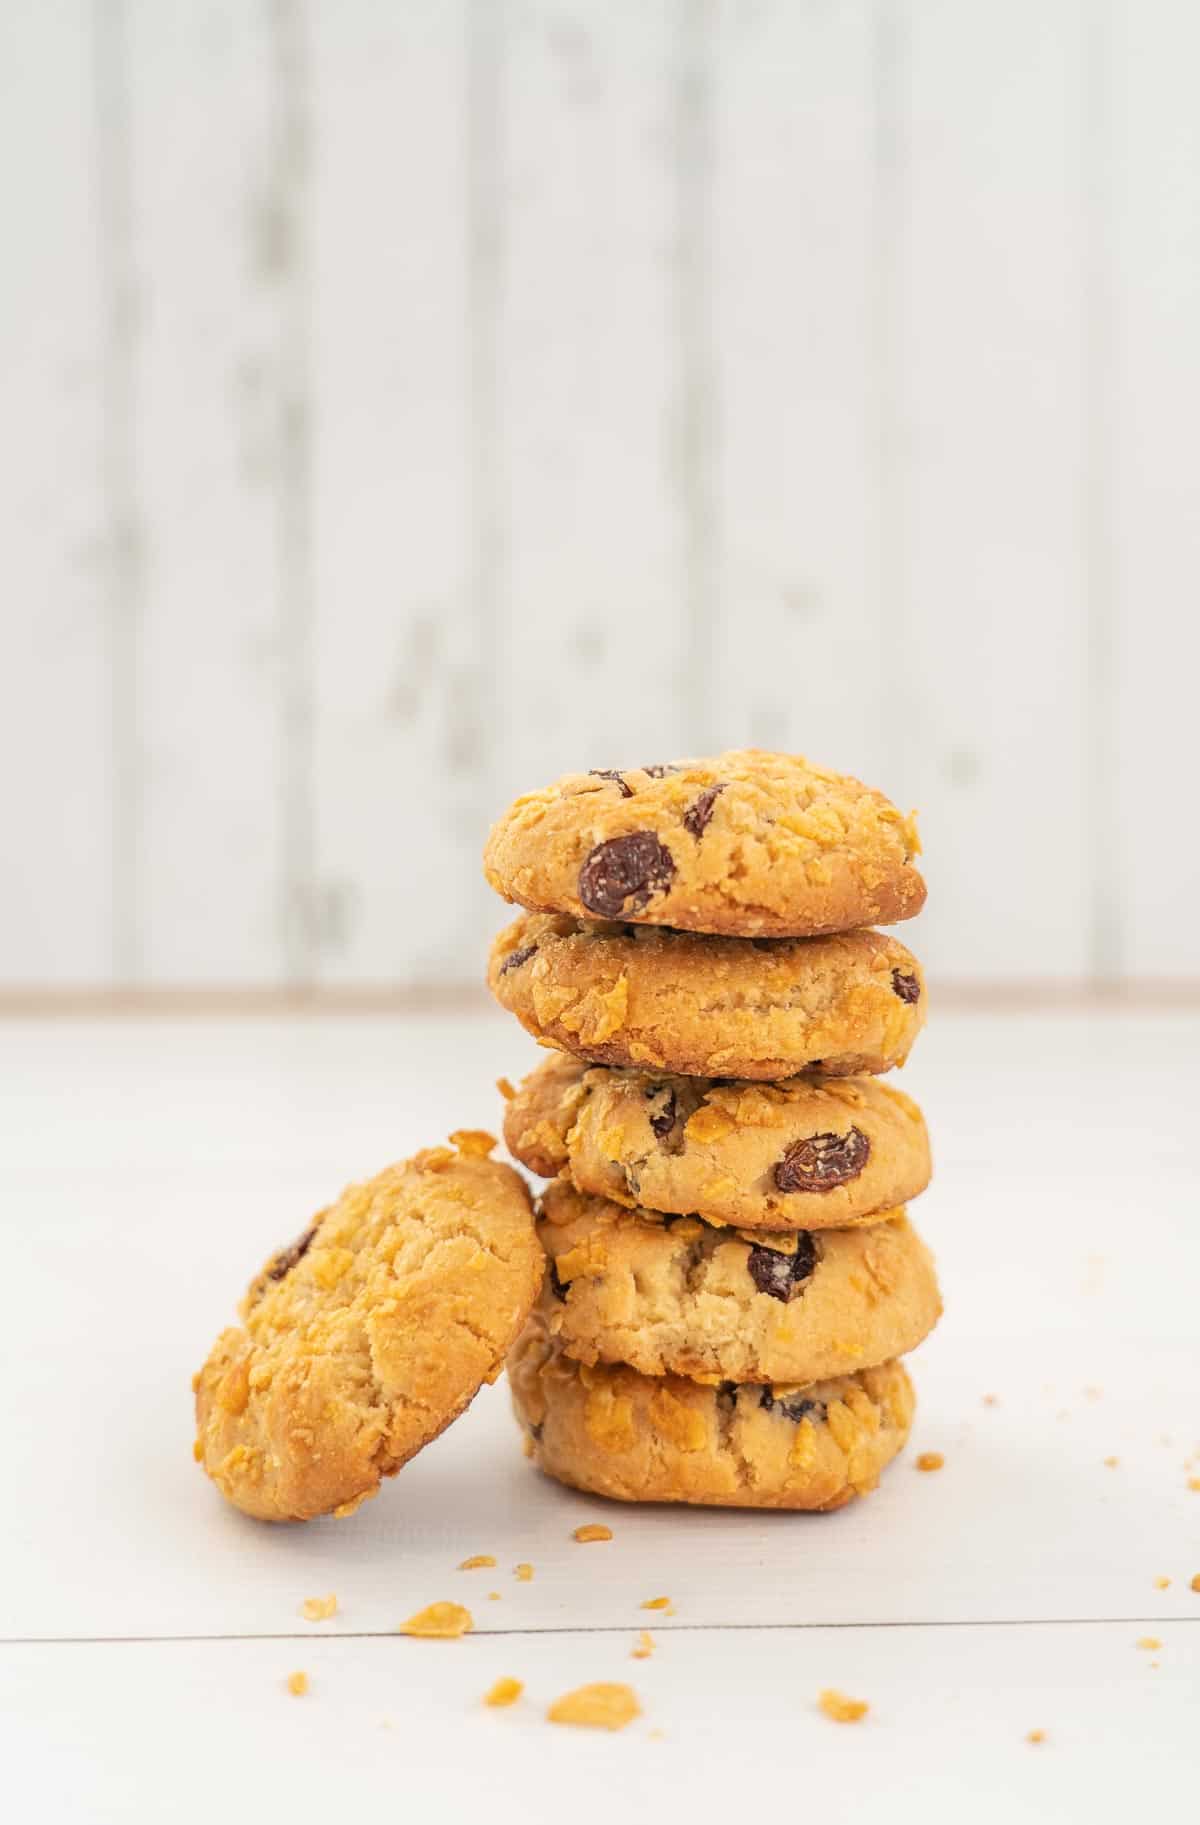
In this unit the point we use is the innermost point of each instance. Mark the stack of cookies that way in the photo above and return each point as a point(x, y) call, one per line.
point(732, 1277)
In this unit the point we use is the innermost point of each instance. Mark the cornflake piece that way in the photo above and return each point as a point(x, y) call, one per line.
point(319, 1609)
point(1160, 1584)
point(930, 1460)
point(1194, 1482)
point(493, 1596)
point(1110, 1463)
point(597, 1707)
point(475, 1142)
point(297, 1684)
point(505, 1088)
point(660, 1603)
point(841, 1709)
point(1149, 1642)
point(524, 1573)
point(476, 1562)
point(595, 1530)
point(439, 1622)
point(1196, 1582)
point(644, 1646)
point(991, 1400)
point(506, 1691)
point(1036, 1736)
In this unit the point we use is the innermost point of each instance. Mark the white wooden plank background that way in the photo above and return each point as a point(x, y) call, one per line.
point(402, 403)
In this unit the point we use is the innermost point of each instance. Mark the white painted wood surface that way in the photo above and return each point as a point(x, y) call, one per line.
point(404, 403)
point(147, 1630)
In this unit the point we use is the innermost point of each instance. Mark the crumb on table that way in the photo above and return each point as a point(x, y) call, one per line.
point(493, 1596)
point(439, 1622)
point(930, 1460)
point(991, 1400)
point(506, 1691)
point(1036, 1736)
point(602, 1706)
point(524, 1573)
point(594, 1530)
point(319, 1609)
point(1149, 1642)
point(659, 1603)
point(841, 1709)
point(297, 1684)
point(644, 1646)
point(1161, 1584)
point(1194, 1482)
point(476, 1562)
point(1196, 1582)
point(1110, 1463)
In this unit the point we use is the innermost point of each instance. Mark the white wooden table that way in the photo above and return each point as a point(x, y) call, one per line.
point(147, 1166)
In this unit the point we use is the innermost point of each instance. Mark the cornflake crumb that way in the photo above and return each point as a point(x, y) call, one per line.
point(930, 1460)
point(598, 1707)
point(493, 1596)
point(1160, 1584)
point(1194, 1482)
point(506, 1691)
point(477, 1143)
point(1150, 1642)
point(841, 1709)
point(644, 1646)
point(1196, 1582)
point(991, 1400)
point(319, 1609)
point(297, 1684)
point(1089, 1394)
point(595, 1530)
point(1110, 1463)
point(660, 1603)
point(439, 1622)
point(505, 1088)
point(524, 1573)
point(1036, 1736)
point(476, 1562)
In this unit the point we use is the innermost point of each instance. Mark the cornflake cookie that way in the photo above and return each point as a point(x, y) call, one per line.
point(671, 1296)
point(710, 1007)
point(750, 844)
point(638, 1438)
point(805, 1153)
point(369, 1334)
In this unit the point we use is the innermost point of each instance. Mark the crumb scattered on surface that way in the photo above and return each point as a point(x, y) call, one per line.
point(439, 1622)
point(841, 1709)
point(659, 1603)
point(991, 1400)
point(595, 1530)
point(297, 1684)
point(476, 1562)
point(644, 1646)
point(524, 1573)
point(1110, 1463)
point(1091, 1394)
point(930, 1460)
point(603, 1706)
point(319, 1609)
point(1194, 1482)
point(1196, 1582)
point(493, 1596)
point(1036, 1736)
point(506, 1691)
point(505, 1088)
point(1160, 1584)
point(656, 1736)
point(1150, 1642)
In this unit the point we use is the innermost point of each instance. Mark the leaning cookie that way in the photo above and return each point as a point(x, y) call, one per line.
point(369, 1334)
point(670, 1296)
point(751, 844)
point(640, 1438)
point(710, 1007)
point(807, 1153)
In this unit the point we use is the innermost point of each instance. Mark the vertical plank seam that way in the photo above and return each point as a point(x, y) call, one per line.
point(292, 183)
point(123, 532)
point(487, 25)
point(1105, 938)
point(695, 155)
point(886, 308)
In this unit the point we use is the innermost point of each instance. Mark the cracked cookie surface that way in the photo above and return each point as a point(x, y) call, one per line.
point(748, 843)
point(639, 1438)
point(673, 1296)
point(802, 1154)
point(364, 1338)
point(674, 1001)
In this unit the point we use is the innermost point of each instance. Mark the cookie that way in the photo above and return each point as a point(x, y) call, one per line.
point(808, 1153)
point(369, 1334)
point(710, 1007)
point(641, 1438)
point(750, 844)
point(672, 1296)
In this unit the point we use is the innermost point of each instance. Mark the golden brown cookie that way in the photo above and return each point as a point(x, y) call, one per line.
point(369, 1334)
point(752, 844)
point(671, 1296)
point(643, 1438)
point(710, 1007)
point(807, 1153)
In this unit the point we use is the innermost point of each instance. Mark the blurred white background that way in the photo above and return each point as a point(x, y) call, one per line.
point(404, 400)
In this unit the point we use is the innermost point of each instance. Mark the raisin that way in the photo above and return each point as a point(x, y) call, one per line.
point(618, 779)
point(695, 818)
point(823, 1161)
point(780, 1276)
point(558, 1285)
point(906, 986)
point(622, 874)
point(729, 1389)
point(660, 771)
point(663, 1120)
point(287, 1258)
point(535, 1430)
point(793, 1406)
point(516, 958)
